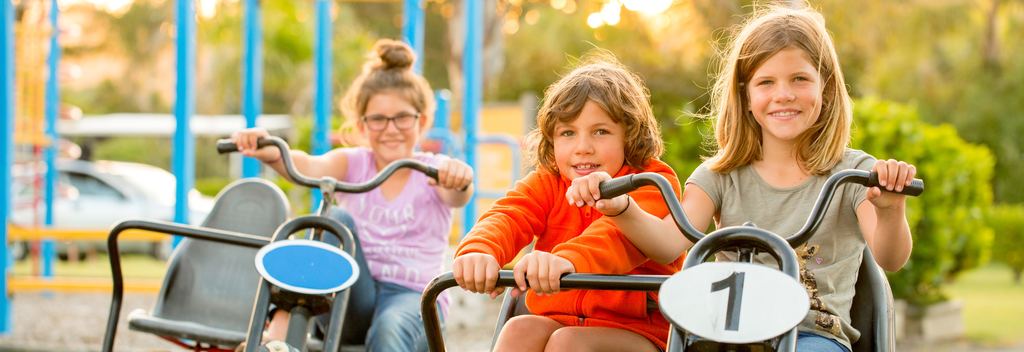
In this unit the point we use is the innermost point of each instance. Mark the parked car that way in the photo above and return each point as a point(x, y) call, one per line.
point(97, 195)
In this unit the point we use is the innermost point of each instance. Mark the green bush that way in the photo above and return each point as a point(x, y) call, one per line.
point(685, 144)
point(1007, 223)
point(156, 151)
point(947, 221)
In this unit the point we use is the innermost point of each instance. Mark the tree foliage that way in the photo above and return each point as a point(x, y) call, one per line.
point(1007, 222)
point(947, 221)
point(958, 61)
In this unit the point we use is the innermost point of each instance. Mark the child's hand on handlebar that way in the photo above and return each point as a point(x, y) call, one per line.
point(585, 191)
point(893, 175)
point(477, 273)
point(246, 142)
point(453, 174)
point(542, 270)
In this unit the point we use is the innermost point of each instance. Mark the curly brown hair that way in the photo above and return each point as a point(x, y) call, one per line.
point(599, 77)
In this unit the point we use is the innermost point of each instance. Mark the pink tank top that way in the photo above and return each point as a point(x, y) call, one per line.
point(403, 239)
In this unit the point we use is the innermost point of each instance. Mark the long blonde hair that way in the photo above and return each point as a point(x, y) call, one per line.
point(617, 90)
point(766, 32)
point(388, 71)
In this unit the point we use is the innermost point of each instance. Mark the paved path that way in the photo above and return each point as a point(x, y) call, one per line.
point(71, 322)
point(77, 321)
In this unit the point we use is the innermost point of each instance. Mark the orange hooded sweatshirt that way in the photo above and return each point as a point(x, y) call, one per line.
point(537, 207)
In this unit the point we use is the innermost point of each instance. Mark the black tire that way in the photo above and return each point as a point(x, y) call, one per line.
point(19, 250)
point(63, 255)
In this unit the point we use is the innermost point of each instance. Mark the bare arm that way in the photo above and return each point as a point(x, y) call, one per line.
point(334, 163)
point(883, 217)
point(887, 234)
point(453, 175)
point(658, 238)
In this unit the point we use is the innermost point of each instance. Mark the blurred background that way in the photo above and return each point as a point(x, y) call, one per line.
point(935, 82)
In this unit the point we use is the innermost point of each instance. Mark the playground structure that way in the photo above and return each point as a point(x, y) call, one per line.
point(29, 112)
point(183, 163)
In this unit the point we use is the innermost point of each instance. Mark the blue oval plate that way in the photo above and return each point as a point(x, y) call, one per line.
point(305, 266)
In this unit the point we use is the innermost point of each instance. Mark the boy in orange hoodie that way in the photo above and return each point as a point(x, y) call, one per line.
point(596, 118)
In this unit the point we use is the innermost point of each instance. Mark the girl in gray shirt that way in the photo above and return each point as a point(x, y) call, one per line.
point(783, 126)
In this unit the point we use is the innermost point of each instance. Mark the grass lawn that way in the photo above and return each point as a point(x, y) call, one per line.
point(993, 305)
point(132, 266)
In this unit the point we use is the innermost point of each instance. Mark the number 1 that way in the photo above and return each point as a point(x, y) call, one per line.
point(735, 285)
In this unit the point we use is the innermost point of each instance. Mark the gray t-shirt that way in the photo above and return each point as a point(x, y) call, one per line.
point(829, 261)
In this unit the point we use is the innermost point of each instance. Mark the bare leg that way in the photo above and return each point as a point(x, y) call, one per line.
point(526, 333)
point(597, 339)
point(277, 327)
point(72, 253)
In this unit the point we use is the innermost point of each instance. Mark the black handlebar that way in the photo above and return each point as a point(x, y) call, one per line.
point(432, 325)
point(915, 188)
point(227, 146)
point(625, 184)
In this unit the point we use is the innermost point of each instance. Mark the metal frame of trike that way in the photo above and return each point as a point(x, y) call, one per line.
point(259, 314)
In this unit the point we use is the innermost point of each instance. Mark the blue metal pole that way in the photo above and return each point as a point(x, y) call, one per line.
point(443, 114)
point(472, 95)
point(413, 22)
point(184, 152)
point(48, 255)
point(252, 81)
point(6, 154)
point(321, 138)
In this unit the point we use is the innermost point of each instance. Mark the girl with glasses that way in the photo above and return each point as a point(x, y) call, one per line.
point(401, 230)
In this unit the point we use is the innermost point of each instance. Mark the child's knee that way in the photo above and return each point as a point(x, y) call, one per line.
point(397, 322)
point(528, 325)
point(564, 339)
point(519, 324)
point(337, 213)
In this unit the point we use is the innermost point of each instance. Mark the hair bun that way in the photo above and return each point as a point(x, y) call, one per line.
point(394, 54)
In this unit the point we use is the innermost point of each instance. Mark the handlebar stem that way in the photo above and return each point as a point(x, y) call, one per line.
point(676, 209)
point(823, 202)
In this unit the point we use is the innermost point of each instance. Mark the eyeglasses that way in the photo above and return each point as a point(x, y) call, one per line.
point(402, 121)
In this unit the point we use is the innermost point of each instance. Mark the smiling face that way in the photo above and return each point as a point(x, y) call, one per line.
point(785, 95)
point(391, 143)
point(592, 142)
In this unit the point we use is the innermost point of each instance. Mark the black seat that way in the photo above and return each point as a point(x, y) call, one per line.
point(871, 312)
point(209, 289)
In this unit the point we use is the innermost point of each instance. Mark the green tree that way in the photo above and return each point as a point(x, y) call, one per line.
point(952, 59)
point(1007, 223)
point(947, 220)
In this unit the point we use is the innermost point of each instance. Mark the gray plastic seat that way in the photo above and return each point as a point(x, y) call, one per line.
point(209, 289)
point(872, 310)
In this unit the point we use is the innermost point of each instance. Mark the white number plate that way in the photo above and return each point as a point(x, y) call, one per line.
point(734, 302)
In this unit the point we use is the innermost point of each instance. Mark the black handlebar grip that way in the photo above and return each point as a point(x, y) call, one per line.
point(616, 187)
point(914, 189)
point(432, 173)
point(225, 146)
